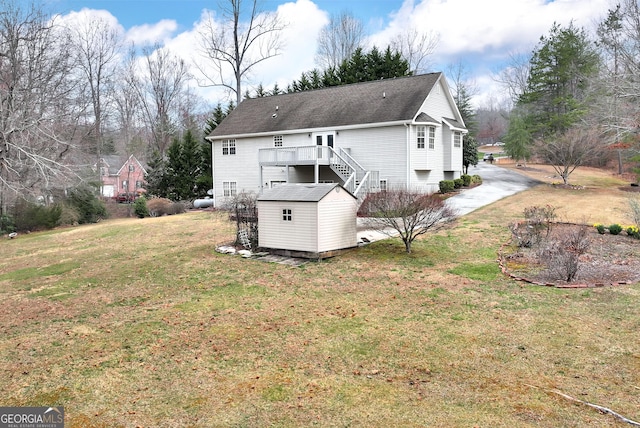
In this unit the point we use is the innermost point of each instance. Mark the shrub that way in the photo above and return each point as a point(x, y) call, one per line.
point(69, 216)
point(600, 228)
point(457, 183)
point(615, 229)
point(446, 186)
point(89, 207)
point(634, 204)
point(466, 180)
point(29, 216)
point(537, 220)
point(6, 224)
point(140, 207)
point(633, 231)
point(476, 179)
point(159, 206)
point(562, 256)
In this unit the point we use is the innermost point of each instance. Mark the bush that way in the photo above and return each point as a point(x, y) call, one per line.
point(140, 207)
point(162, 206)
point(69, 216)
point(600, 228)
point(615, 229)
point(30, 217)
point(466, 180)
point(562, 256)
point(476, 179)
point(633, 231)
point(457, 183)
point(538, 220)
point(446, 186)
point(159, 206)
point(89, 207)
point(6, 224)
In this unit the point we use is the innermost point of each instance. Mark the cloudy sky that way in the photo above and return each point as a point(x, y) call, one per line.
point(480, 35)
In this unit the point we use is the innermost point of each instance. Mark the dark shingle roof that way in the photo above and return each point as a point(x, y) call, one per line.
point(387, 100)
point(298, 192)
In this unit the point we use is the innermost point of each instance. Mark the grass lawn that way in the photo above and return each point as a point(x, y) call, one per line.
point(135, 322)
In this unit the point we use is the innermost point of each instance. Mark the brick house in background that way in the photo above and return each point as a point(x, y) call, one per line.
point(121, 175)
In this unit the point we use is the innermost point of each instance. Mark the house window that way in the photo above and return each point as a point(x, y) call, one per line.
point(131, 168)
point(457, 139)
point(229, 188)
point(421, 136)
point(105, 171)
point(228, 147)
point(286, 214)
point(138, 184)
point(432, 137)
point(125, 184)
point(383, 185)
point(277, 141)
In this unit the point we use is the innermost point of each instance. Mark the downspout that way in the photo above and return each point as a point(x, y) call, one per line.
point(408, 141)
point(213, 173)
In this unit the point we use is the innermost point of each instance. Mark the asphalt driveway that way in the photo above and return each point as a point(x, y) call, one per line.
point(497, 183)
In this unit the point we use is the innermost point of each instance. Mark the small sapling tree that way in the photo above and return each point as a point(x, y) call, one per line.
point(407, 213)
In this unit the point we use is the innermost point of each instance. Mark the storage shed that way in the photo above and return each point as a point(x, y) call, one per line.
point(307, 220)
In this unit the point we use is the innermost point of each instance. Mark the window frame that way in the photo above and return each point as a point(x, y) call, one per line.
point(421, 134)
point(228, 147)
point(457, 139)
point(431, 137)
point(229, 189)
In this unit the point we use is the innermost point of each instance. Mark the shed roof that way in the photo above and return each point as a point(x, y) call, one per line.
point(379, 101)
point(300, 192)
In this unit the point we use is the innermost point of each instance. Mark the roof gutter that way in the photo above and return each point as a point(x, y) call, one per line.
point(309, 130)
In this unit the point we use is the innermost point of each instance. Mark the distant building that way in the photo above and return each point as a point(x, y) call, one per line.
point(121, 175)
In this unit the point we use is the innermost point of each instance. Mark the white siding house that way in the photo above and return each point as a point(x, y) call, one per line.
point(307, 220)
point(402, 132)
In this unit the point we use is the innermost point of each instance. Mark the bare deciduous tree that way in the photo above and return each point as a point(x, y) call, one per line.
point(127, 102)
point(515, 76)
point(407, 213)
point(96, 46)
point(35, 107)
point(165, 80)
point(570, 150)
point(245, 38)
point(416, 47)
point(339, 39)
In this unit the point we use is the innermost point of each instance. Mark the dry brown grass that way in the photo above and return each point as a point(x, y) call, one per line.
point(169, 333)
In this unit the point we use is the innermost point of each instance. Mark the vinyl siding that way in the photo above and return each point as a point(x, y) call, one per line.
point(300, 234)
point(380, 149)
point(337, 228)
point(329, 224)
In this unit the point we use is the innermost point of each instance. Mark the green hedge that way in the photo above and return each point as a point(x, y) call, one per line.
point(447, 186)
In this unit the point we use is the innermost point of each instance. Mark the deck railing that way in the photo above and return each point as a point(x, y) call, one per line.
point(356, 178)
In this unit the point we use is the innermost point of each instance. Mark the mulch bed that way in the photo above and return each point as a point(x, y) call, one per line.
point(609, 260)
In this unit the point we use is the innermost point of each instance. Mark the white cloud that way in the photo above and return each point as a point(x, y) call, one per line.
point(85, 16)
point(150, 34)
